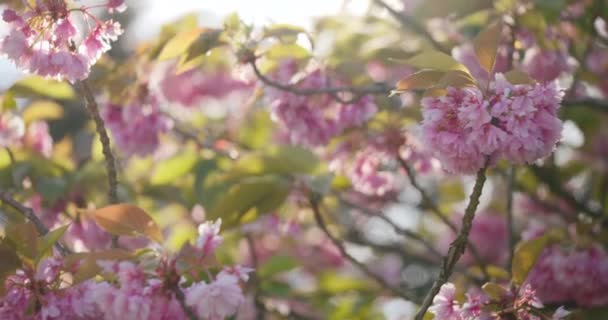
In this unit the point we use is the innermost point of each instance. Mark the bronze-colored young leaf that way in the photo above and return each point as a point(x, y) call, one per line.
point(525, 257)
point(127, 219)
point(486, 46)
point(420, 80)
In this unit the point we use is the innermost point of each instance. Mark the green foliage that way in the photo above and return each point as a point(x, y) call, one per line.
point(276, 265)
point(525, 257)
point(34, 86)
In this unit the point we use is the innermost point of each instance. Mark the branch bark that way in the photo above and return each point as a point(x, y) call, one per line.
point(457, 247)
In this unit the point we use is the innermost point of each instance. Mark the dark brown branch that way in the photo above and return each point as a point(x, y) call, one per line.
point(358, 92)
point(111, 171)
point(457, 247)
point(411, 24)
point(428, 201)
point(30, 215)
point(338, 243)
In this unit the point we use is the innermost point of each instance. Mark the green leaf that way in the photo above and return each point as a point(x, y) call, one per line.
point(518, 77)
point(180, 43)
point(420, 80)
point(525, 257)
point(47, 242)
point(276, 288)
point(8, 101)
point(35, 86)
point(128, 220)
point(281, 160)
point(495, 291)
point(51, 188)
point(258, 194)
point(174, 168)
point(281, 51)
point(434, 60)
point(456, 79)
point(277, 264)
point(486, 46)
point(285, 32)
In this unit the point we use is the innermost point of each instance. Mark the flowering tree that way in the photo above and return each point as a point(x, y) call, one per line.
point(427, 160)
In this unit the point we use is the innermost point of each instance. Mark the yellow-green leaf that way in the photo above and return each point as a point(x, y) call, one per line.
point(420, 80)
point(179, 44)
point(281, 51)
point(42, 110)
point(47, 242)
point(127, 219)
point(456, 79)
point(35, 86)
point(518, 77)
point(8, 101)
point(525, 257)
point(173, 168)
point(486, 46)
point(494, 291)
point(434, 60)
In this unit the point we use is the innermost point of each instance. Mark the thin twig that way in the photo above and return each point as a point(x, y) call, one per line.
point(358, 92)
point(338, 243)
point(411, 24)
point(30, 215)
point(457, 247)
point(402, 231)
point(510, 222)
point(112, 173)
point(260, 309)
point(428, 201)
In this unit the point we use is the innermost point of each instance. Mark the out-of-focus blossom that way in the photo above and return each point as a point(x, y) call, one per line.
point(44, 39)
point(216, 300)
point(38, 138)
point(11, 129)
point(545, 65)
point(136, 128)
point(445, 305)
point(208, 237)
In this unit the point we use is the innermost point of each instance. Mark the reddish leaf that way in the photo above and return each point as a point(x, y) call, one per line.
point(127, 219)
point(419, 80)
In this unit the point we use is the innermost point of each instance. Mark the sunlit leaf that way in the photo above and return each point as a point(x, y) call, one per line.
point(171, 169)
point(434, 60)
point(285, 32)
point(525, 257)
point(35, 86)
point(8, 101)
point(518, 77)
point(495, 291)
point(456, 79)
point(486, 46)
point(281, 51)
point(281, 159)
point(127, 219)
point(180, 43)
point(42, 110)
point(420, 80)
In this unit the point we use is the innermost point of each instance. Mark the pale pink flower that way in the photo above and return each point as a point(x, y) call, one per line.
point(445, 305)
point(38, 138)
point(216, 300)
point(545, 65)
point(209, 237)
point(11, 129)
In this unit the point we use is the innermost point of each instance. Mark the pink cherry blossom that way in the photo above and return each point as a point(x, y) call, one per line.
point(216, 300)
point(208, 237)
point(445, 305)
point(38, 138)
point(11, 129)
point(545, 65)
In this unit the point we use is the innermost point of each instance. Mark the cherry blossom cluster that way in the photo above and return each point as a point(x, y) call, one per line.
point(133, 291)
point(313, 120)
point(465, 128)
point(137, 126)
point(572, 275)
point(519, 303)
point(190, 88)
point(44, 38)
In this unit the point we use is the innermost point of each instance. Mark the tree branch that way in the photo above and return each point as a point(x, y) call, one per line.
point(428, 201)
point(30, 215)
point(260, 309)
point(358, 92)
point(111, 171)
point(179, 295)
point(457, 247)
point(338, 243)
